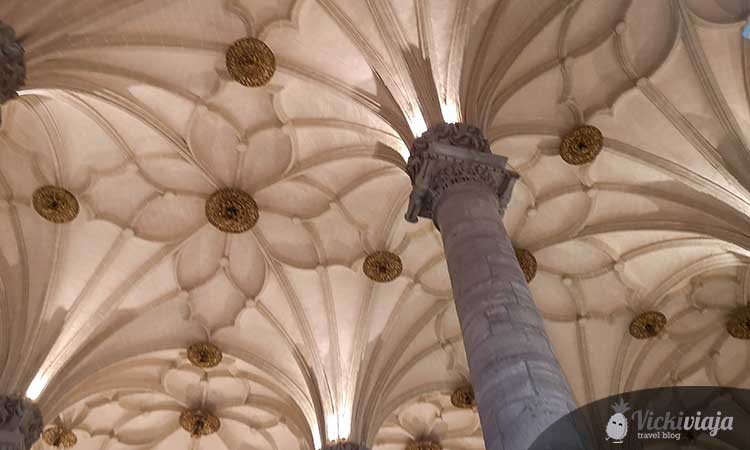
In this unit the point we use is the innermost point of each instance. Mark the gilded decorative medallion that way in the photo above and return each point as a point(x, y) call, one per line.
point(424, 445)
point(58, 436)
point(739, 323)
point(382, 266)
point(204, 355)
point(250, 62)
point(527, 261)
point(647, 325)
point(582, 145)
point(232, 210)
point(463, 397)
point(55, 204)
point(199, 423)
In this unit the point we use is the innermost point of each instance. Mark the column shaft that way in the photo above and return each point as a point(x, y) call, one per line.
point(520, 389)
point(519, 386)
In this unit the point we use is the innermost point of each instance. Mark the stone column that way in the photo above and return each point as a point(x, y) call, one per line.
point(20, 423)
point(519, 387)
point(12, 65)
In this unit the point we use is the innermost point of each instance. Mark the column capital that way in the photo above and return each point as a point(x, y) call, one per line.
point(20, 423)
point(12, 65)
point(449, 154)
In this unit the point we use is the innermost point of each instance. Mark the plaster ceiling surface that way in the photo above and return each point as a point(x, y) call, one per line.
point(128, 105)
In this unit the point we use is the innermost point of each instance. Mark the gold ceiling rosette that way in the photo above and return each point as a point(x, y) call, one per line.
point(199, 423)
point(250, 62)
point(55, 204)
point(232, 210)
point(647, 325)
point(12, 64)
point(383, 266)
point(582, 145)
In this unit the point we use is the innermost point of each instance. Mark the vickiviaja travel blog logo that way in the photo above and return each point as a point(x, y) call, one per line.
point(665, 426)
point(617, 425)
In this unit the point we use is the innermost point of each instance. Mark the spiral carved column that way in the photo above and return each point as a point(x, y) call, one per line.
point(519, 387)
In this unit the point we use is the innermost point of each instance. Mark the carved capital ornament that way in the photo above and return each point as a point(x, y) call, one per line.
point(582, 145)
point(382, 266)
point(12, 64)
point(424, 445)
point(20, 423)
point(250, 62)
point(450, 154)
point(232, 210)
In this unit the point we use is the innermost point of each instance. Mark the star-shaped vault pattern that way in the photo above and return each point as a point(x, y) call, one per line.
point(128, 105)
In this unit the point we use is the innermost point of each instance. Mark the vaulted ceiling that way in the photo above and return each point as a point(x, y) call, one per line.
point(129, 106)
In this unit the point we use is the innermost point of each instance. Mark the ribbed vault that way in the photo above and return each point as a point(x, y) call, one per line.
point(128, 105)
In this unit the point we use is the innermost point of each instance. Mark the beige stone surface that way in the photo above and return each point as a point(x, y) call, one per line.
point(128, 105)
